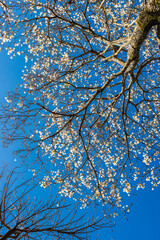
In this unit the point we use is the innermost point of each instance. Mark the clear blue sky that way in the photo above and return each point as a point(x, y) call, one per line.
point(144, 217)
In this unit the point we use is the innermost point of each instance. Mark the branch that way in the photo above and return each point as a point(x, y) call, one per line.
point(147, 18)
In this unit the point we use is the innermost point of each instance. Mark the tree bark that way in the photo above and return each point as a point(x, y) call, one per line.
point(148, 17)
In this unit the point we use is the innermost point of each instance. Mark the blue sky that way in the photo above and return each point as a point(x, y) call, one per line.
point(143, 219)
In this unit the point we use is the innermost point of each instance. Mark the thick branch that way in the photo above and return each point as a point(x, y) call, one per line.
point(147, 18)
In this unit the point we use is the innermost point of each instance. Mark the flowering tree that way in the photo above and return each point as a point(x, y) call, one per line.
point(88, 109)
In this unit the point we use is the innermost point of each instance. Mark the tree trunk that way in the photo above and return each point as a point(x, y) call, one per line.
point(147, 18)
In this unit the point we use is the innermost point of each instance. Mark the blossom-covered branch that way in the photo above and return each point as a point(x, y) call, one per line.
point(88, 110)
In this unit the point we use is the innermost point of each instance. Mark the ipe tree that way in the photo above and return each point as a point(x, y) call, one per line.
point(88, 109)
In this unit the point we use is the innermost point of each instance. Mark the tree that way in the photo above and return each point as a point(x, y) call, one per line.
point(88, 109)
point(22, 216)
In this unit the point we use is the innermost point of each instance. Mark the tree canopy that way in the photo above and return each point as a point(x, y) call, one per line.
point(88, 109)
